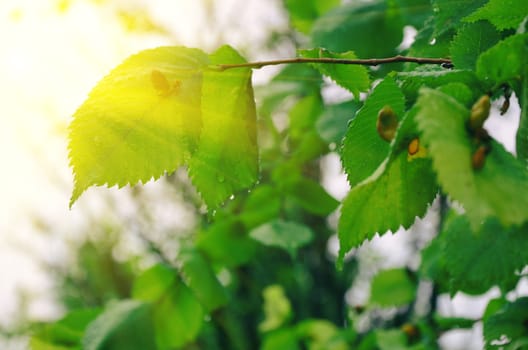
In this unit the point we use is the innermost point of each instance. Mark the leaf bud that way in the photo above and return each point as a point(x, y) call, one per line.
point(479, 157)
point(479, 112)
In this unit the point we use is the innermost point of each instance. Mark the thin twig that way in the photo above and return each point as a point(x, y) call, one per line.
point(330, 60)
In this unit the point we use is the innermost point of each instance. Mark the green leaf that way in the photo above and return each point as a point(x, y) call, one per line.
point(372, 29)
point(494, 306)
point(363, 149)
point(492, 67)
point(303, 13)
point(498, 189)
point(39, 344)
point(424, 45)
point(522, 132)
point(66, 333)
point(292, 81)
point(460, 92)
point(261, 205)
point(354, 78)
point(123, 325)
point(287, 235)
point(198, 275)
point(395, 198)
point(281, 339)
point(226, 243)
point(321, 335)
point(277, 308)
point(391, 339)
point(449, 323)
point(433, 264)
point(226, 159)
point(507, 325)
point(176, 312)
point(415, 12)
point(411, 82)
point(311, 196)
point(303, 116)
point(130, 129)
point(392, 288)
point(449, 13)
point(477, 261)
point(178, 317)
point(332, 124)
point(470, 41)
point(153, 283)
point(503, 14)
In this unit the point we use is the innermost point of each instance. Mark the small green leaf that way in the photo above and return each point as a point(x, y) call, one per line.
point(66, 333)
point(261, 205)
point(291, 82)
point(198, 275)
point(363, 149)
point(503, 14)
point(411, 82)
point(284, 338)
point(277, 308)
point(391, 339)
point(460, 92)
point(522, 132)
point(449, 13)
point(467, 255)
point(303, 13)
point(370, 29)
point(226, 243)
point(415, 12)
point(505, 62)
point(126, 131)
point(303, 116)
point(226, 159)
point(153, 283)
point(287, 235)
point(176, 312)
point(470, 41)
point(312, 197)
point(433, 265)
point(507, 326)
point(332, 124)
point(39, 344)
point(354, 78)
point(424, 46)
point(448, 323)
point(123, 325)
point(392, 288)
point(498, 189)
point(178, 317)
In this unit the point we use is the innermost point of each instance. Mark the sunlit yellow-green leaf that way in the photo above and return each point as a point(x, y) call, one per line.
point(226, 159)
point(139, 122)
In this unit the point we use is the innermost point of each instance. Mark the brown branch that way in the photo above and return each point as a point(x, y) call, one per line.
point(330, 60)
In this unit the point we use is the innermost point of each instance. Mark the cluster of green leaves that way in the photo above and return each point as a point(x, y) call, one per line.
point(173, 106)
